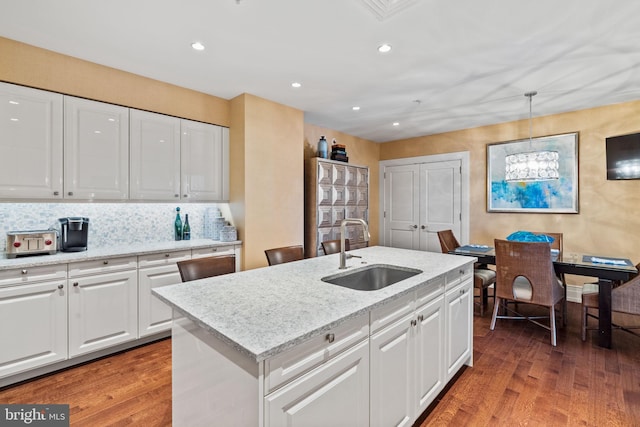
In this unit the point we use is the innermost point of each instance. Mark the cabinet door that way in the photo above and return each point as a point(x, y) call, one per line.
point(204, 161)
point(33, 326)
point(154, 315)
point(459, 326)
point(154, 156)
point(430, 371)
point(102, 311)
point(96, 150)
point(30, 143)
point(392, 374)
point(334, 394)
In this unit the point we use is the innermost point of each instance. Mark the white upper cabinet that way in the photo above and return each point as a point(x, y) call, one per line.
point(154, 156)
point(96, 150)
point(30, 143)
point(204, 161)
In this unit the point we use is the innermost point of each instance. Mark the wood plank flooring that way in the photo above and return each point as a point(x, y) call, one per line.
point(517, 379)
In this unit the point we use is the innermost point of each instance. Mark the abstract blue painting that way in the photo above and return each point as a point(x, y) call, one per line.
point(559, 195)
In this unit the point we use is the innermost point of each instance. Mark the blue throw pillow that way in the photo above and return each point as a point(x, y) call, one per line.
point(527, 236)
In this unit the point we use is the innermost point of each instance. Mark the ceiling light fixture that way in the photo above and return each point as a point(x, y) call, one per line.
point(396, 123)
point(384, 48)
point(197, 46)
point(296, 85)
point(541, 165)
point(356, 108)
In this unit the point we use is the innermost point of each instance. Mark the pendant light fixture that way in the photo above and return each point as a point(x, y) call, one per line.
point(532, 165)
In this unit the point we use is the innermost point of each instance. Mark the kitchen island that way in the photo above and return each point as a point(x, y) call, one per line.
point(278, 345)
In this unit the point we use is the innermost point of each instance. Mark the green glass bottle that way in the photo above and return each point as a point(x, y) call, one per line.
point(186, 230)
point(178, 225)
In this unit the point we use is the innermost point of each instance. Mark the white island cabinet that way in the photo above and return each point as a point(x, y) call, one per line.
point(278, 346)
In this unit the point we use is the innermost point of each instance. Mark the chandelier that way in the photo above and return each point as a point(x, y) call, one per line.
point(532, 165)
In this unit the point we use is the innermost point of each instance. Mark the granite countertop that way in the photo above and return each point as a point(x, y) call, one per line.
point(108, 252)
point(265, 311)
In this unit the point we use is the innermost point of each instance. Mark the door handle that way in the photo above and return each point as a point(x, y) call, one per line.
point(415, 226)
point(424, 227)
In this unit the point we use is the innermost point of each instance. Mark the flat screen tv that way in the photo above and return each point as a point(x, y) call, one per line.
point(623, 157)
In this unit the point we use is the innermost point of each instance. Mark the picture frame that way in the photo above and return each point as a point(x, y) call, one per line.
point(558, 195)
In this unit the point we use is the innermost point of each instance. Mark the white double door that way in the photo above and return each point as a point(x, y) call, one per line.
point(420, 200)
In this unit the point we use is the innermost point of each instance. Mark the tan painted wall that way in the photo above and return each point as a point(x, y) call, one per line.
point(361, 152)
point(608, 220)
point(43, 69)
point(273, 173)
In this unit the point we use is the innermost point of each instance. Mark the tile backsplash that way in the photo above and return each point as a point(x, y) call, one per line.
point(109, 223)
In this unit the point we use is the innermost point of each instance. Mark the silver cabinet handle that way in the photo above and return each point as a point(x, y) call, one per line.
point(331, 338)
point(76, 284)
point(167, 255)
point(70, 193)
point(60, 286)
point(24, 271)
point(176, 195)
point(424, 227)
point(414, 322)
point(56, 193)
point(420, 318)
point(105, 262)
point(415, 226)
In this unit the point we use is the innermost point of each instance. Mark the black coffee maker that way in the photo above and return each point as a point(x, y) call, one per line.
point(74, 233)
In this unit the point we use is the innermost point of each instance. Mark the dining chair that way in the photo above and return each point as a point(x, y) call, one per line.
point(625, 298)
point(483, 277)
point(525, 274)
point(199, 268)
point(285, 254)
point(333, 246)
point(557, 244)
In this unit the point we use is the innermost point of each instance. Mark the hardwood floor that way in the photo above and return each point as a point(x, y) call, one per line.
point(517, 379)
point(132, 388)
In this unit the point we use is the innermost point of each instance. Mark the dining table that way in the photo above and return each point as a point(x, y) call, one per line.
point(607, 269)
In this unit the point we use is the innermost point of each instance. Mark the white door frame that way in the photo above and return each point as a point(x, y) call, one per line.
point(464, 158)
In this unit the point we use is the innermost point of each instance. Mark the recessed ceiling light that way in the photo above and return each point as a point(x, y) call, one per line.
point(384, 48)
point(197, 46)
point(396, 123)
point(296, 84)
point(356, 108)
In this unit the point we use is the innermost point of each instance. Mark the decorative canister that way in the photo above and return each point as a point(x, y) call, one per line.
point(218, 224)
point(210, 215)
point(228, 234)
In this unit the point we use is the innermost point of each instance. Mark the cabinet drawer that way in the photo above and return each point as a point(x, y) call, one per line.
point(389, 313)
point(456, 275)
point(16, 276)
point(429, 291)
point(102, 266)
point(286, 366)
point(215, 250)
point(164, 258)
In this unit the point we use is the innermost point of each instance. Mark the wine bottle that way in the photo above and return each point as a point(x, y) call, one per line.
point(178, 225)
point(186, 230)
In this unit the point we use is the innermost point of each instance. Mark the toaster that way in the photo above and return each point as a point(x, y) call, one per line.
point(31, 242)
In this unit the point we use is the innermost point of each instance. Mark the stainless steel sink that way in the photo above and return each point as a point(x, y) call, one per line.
point(372, 277)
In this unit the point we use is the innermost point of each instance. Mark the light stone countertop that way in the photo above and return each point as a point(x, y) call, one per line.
point(265, 311)
point(114, 251)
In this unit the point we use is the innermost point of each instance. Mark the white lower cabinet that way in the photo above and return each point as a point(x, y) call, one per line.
point(103, 308)
point(33, 325)
point(459, 326)
point(407, 369)
point(334, 394)
point(154, 271)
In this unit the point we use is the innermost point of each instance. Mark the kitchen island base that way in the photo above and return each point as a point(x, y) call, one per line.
point(272, 357)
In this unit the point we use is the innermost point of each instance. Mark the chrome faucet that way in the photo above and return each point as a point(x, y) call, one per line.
point(367, 236)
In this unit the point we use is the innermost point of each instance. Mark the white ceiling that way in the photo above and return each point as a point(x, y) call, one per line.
point(455, 64)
